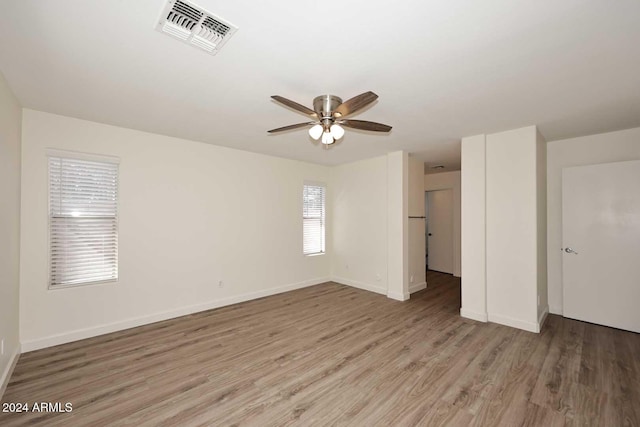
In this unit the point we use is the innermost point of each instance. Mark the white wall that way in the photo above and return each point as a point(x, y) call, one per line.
point(417, 245)
point(358, 214)
point(398, 225)
point(10, 129)
point(473, 228)
point(443, 181)
point(603, 148)
point(504, 228)
point(541, 226)
point(511, 227)
point(190, 215)
point(368, 212)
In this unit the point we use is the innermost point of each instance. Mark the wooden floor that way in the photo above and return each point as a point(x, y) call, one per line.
point(335, 355)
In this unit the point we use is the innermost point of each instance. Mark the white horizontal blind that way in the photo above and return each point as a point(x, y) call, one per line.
point(83, 221)
point(313, 219)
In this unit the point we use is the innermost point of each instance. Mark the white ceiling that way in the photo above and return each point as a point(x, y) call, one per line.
point(443, 69)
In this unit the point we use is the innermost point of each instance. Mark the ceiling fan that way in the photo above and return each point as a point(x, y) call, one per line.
point(328, 114)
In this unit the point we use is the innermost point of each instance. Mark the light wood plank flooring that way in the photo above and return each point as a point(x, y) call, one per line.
point(335, 355)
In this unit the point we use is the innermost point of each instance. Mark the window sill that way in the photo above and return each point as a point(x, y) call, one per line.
point(316, 254)
point(82, 285)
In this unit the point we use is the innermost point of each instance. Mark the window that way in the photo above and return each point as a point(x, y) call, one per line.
point(313, 219)
point(83, 220)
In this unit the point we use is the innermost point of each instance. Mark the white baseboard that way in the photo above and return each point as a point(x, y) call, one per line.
point(360, 285)
point(415, 287)
point(473, 315)
point(514, 323)
point(542, 318)
point(555, 310)
point(6, 375)
point(372, 288)
point(398, 296)
point(80, 334)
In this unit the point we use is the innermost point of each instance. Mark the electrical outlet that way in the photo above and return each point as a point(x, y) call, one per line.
point(378, 278)
point(2, 347)
point(538, 300)
point(220, 284)
point(411, 279)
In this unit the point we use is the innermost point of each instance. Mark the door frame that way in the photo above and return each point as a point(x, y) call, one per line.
point(453, 184)
point(427, 228)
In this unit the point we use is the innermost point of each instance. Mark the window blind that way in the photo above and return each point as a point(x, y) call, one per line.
point(313, 219)
point(83, 221)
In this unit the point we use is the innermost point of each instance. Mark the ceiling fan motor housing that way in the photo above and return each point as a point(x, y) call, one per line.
point(325, 106)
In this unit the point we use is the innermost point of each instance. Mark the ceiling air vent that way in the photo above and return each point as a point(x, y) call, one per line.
point(194, 25)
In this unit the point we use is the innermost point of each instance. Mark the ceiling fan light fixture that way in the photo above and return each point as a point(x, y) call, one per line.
point(316, 132)
point(337, 131)
point(327, 139)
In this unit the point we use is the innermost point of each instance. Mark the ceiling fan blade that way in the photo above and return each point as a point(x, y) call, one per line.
point(290, 127)
point(298, 107)
point(354, 104)
point(365, 125)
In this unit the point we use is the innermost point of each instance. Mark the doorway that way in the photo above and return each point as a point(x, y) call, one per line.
point(439, 230)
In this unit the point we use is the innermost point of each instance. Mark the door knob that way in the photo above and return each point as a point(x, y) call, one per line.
point(429, 234)
point(570, 251)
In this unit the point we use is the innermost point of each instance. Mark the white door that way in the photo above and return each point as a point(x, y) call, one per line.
point(601, 238)
point(440, 234)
